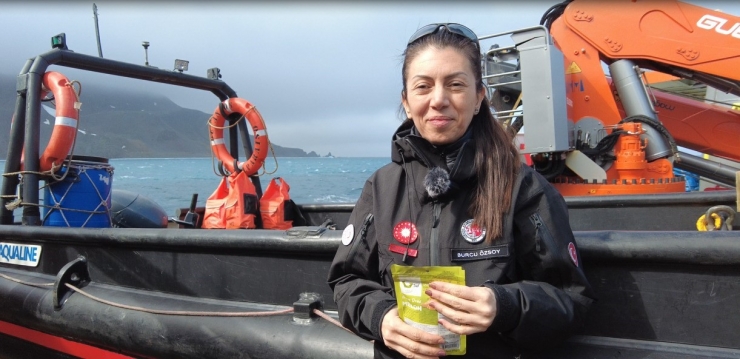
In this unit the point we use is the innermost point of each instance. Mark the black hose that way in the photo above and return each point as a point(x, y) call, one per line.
point(657, 126)
point(517, 124)
point(553, 168)
point(605, 145)
point(553, 13)
point(542, 170)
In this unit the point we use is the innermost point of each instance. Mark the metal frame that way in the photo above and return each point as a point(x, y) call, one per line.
point(25, 129)
point(542, 80)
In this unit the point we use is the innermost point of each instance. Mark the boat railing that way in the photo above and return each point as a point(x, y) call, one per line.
point(25, 129)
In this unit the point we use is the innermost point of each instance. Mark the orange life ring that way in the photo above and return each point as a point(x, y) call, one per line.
point(216, 131)
point(65, 122)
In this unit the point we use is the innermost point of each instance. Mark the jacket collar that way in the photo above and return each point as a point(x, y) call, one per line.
point(409, 146)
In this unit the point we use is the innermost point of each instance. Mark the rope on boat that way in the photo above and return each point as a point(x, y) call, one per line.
point(77, 106)
point(330, 319)
point(41, 285)
point(180, 312)
point(264, 171)
point(213, 157)
point(54, 167)
point(57, 204)
point(243, 116)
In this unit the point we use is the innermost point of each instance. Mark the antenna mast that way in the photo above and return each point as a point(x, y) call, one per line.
point(97, 30)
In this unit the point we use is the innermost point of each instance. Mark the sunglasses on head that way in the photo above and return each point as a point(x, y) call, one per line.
point(451, 27)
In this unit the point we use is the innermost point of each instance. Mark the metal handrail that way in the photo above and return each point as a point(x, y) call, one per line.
point(501, 74)
point(506, 114)
point(25, 132)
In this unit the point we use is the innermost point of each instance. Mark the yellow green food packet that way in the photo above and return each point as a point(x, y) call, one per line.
point(410, 284)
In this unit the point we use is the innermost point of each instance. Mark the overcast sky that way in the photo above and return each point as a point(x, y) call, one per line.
point(325, 76)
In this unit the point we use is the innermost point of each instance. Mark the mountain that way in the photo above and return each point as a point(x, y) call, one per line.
point(118, 124)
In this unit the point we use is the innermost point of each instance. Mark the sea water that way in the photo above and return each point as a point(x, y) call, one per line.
point(171, 182)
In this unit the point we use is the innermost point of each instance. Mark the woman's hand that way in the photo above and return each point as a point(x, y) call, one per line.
point(471, 308)
point(407, 340)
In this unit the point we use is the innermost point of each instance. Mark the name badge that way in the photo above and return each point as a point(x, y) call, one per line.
point(461, 255)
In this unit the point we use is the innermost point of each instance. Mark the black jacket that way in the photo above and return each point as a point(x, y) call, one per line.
point(542, 293)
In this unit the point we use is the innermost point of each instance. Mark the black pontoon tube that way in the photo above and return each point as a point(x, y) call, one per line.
point(675, 247)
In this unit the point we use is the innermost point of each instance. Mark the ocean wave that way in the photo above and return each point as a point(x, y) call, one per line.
point(332, 198)
point(171, 182)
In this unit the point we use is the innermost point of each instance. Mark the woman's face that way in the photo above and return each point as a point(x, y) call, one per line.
point(440, 94)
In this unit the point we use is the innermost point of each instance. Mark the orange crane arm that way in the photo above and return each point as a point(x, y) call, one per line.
point(673, 37)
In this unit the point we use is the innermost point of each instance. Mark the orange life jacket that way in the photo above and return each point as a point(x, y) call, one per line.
point(275, 205)
point(233, 204)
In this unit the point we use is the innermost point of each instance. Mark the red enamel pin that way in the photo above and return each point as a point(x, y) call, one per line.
point(395, 248)
point(405, 232)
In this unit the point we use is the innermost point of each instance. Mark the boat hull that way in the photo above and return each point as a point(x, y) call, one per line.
point(665, 291)
point(661, 293)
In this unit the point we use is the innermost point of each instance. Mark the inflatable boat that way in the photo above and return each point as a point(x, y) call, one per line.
point(665, 290)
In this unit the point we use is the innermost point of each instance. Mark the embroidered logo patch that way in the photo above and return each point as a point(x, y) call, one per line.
point(405, 232)
point(348, 234)
point(472, 233)
point(573, 253)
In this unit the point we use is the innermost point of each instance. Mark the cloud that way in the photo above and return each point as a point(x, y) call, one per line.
point(327, 66)
point(346, 135)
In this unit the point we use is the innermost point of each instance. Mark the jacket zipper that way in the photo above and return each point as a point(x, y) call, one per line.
point(537, 222)
point(434, 237)
point(362, 237)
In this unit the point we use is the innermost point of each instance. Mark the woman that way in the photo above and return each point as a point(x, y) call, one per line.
point(456, 194)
